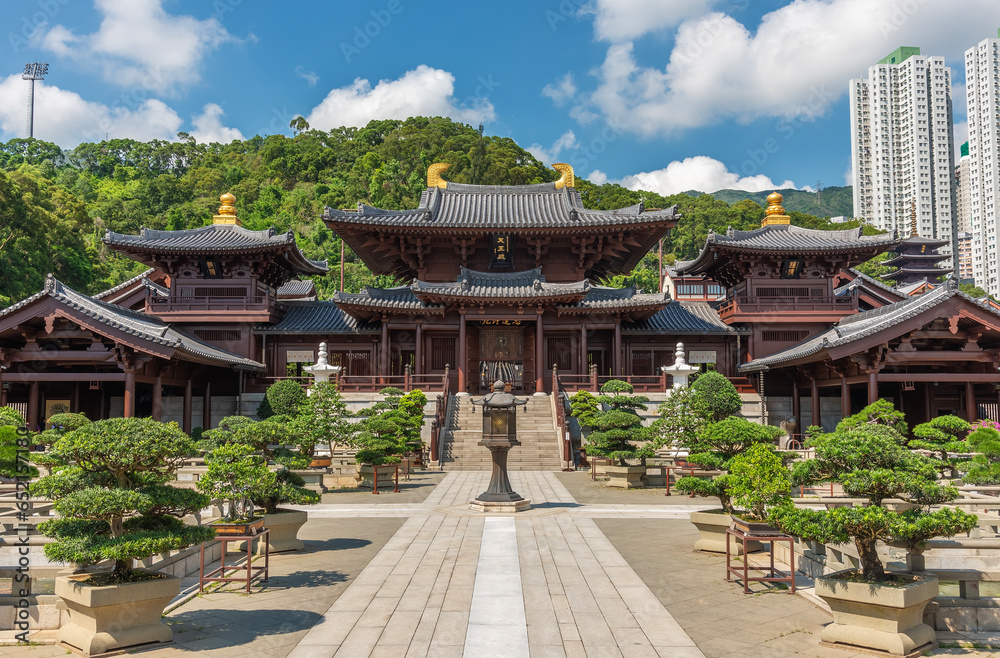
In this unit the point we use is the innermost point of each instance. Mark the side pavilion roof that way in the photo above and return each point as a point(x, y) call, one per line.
point(853, 333)
point(144, 333)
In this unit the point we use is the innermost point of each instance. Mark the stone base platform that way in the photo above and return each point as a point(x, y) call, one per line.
point(503, 507)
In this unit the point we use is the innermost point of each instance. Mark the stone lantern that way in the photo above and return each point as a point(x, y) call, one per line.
point(321, 370)
point(499, 435)
point(680, 371)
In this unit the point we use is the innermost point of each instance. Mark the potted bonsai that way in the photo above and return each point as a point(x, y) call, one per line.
point(323, 418)
point(61, 424)
point(383, 433)
point(236, 474)
point(617, 432)
point(984, 468)
point(873, 608)
point(116, 507)
point(713, 449)
point(758, 482)
point(284, 524)
point(942, 436)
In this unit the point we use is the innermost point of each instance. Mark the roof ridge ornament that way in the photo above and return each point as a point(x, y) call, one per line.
point(775, 213)
point(567, 179)
point(434, 175)
point(227, 211)
point(50, 283)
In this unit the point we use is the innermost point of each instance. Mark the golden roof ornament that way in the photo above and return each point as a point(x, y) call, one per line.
point(567, 179)
point(227, 211)
point(775, 213)
point(434, 175)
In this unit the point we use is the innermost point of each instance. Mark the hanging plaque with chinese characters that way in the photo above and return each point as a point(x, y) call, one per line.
point(500, 248)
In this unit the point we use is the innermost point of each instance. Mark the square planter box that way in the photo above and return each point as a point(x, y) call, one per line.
point(103, 619)
point(626, 477)
point(879, 617)
point(386, 476)
point(712, 534)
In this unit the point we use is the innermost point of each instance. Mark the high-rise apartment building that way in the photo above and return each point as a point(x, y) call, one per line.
point(982, 81)
point(963, 190)
point(902, 146)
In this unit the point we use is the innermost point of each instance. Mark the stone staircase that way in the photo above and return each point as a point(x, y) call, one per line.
point(539, 449)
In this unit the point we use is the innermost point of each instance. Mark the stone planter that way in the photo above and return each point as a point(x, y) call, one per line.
point(103, 619)
point(313, 479)
point(880, 617)
point(284, 527)
point(626, 477)
point(386, 476)
point(712, 534)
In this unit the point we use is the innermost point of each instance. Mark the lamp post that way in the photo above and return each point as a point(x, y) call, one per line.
point(499, 435)
point(680, 370)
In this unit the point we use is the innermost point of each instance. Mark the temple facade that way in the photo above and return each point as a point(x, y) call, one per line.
point(498, 282)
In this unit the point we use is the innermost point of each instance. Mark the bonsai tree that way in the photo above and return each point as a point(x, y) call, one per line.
point(61, 424)
point(679, 423)
point(984, 469)
point(942, 436)
point(115, 504)
point(208, 440)
point(869, 460)
point(287, 487)
point(388, 426)
point(12, 417)
point(616, 432)
point(323, 418)
point(758, 481)
point(261, 435)
point(715, 447)
point(236, 474)
point(715, 397)
point(584, 406)
point(282, 398)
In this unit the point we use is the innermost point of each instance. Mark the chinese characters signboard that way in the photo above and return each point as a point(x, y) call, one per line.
point(500, 249)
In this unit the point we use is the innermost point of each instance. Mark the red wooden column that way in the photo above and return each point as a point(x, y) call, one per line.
point(539, 346)
point(206, 412)
point(33, 406)
point(463, 352)
point(816, 415)
point(971, 410)
point(797, 403)
point(872, 386)
point(188, 404)
point(383, 362)
point(129, 410)
point(616, 358)
point(158, 398)
point(845, 397)
point(583, 348)
point(418, 352)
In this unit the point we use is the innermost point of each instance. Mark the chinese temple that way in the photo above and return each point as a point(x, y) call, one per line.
point(498, 282)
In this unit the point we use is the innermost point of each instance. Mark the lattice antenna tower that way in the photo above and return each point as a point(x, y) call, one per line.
point(33, 71)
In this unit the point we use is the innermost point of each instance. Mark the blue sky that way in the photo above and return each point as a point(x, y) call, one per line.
point(667, 95)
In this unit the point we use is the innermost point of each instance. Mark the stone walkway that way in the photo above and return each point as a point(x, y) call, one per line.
point(585, 572)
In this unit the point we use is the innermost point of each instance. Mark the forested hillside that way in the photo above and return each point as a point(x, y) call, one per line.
point(55, 205)
point(830, 202)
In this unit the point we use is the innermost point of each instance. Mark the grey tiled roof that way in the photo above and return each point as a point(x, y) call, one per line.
point(400, 298)
point(216, 239)
point(143, 327)
point(602, 297)
point(500, 207)
point(788, 239)
point(297, 290)
point(871, 283)
point(320, 317)
point(861, 325)
point(528, 284)
point(907, 288)
point(112, 292)
point(684, 318)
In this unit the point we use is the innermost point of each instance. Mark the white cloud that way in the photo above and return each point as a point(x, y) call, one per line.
point(308, 76)
point(549, 155)
point(140, 44)
point(562, 91)
point(423, 91)
point(700, 173)
point(598, 177)
point(621, 20)
point(795, 63)
point(65, 118)
point(208, 126)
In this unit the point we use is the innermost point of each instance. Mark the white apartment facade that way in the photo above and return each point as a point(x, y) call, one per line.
point(902, 146)
point(982, 79)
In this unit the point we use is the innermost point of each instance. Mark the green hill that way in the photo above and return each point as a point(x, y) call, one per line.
point(55, 205)
point(831, 202)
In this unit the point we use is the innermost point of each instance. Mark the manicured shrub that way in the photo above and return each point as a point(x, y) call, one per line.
point(284, 398)
point(715, 397)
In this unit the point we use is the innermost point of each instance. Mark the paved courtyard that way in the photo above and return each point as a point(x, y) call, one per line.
point(586, 572)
